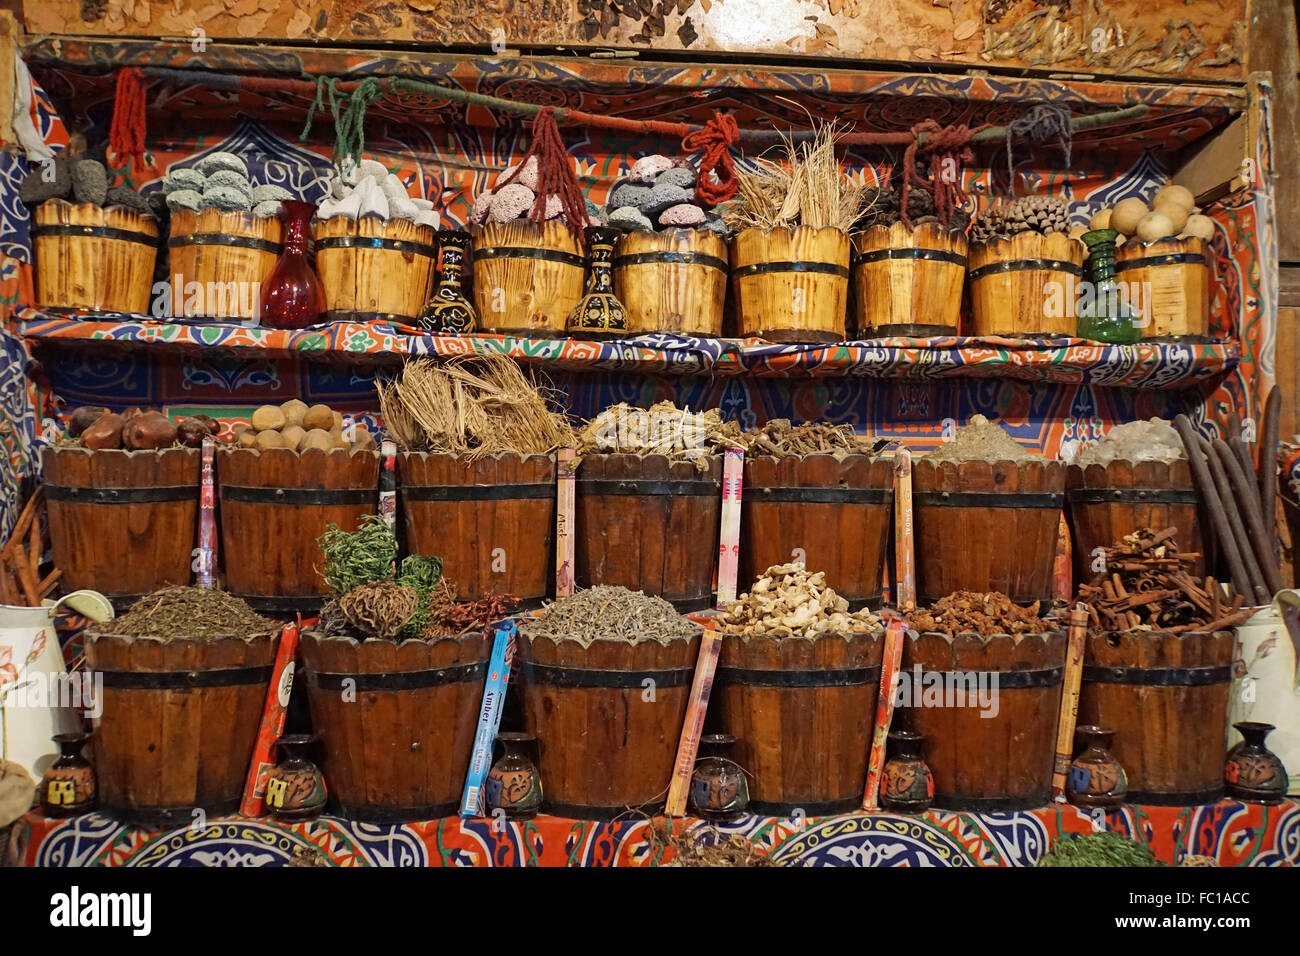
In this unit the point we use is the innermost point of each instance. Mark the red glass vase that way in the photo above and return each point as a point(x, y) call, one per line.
point(291, 296)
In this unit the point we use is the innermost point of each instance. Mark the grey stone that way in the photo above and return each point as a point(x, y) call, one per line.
point(267, 209)
point(225, 199)
point(663, 197)
point(229, 178)
point(628, 218)
point(179, 199)
point(184, 179)
point(210, 164)
point(269, 193)
point(35, 189)
point(682, 176)
point(628, 195)
point(714, 223)
point(89, 181)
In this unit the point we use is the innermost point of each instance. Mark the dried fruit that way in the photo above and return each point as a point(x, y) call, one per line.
point(149, 431)
point(83, 417)
point(789, 601)
point(106, 432)
point(982, 613)
point(269, 417)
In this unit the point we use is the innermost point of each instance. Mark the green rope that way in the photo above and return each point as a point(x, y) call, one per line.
point(350, 128)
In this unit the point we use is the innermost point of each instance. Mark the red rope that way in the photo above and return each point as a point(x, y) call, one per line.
point(126, 135)
point(554, 174)
point(948, 146)
point(715, 142)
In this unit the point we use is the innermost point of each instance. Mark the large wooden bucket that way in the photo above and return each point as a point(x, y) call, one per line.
point(803, 711)
point(1173, 279)
point(88, 257)
point(672, 281)
point(982, 760)
point(397, 747)
point(1107, 502)
point(274, 505)
point(527, 277)
point(1166, 697)
point(605, 744)
point(647, 524)
point(791, 285)
point(491, 520)
point(374, 270)
point(122, 522)
point(228, 255)
point(833, 514)
point(987, 526)
point(1026, 286)
point(179, 719)
point(908, 282)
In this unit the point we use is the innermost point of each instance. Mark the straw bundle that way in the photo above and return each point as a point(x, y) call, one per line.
point(473, 406)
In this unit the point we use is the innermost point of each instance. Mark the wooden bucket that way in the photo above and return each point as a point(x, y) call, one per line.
point(274, 505)
point(528, 276)
point(672, 281)
point(791, 285)
point(604, 745)
point(88, 257)
point(833, 514)
point(491, 521)
point(372, 270)
point(228, 254)
point(399, 749)
point(122, 522)
point(1106, 502)
point(649, 525)
point(178, 722)
point(1173, 285)
point(1009, 285)
point(901, 276)
point(1002, 761)
point(1166, 697)
point(803, 711)
point(986, 526)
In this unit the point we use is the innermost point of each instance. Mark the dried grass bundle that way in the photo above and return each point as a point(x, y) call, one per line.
point(473, 405)
point(811, 189)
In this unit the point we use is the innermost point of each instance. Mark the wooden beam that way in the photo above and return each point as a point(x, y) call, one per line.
point(9, 39)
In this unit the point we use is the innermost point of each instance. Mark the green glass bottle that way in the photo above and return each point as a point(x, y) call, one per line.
point(1105, 315)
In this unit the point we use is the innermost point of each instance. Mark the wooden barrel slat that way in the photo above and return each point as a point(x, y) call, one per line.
point(1013, 301)
point(791, 284)
point(905, 278)
point(1175, 282)
point(220, 251)
point(371, 268)
point(674, 280)
point(527, 276)
point(79, 267)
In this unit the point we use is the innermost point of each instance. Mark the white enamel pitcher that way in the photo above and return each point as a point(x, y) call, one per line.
point(32, 685)
point(1265, 684)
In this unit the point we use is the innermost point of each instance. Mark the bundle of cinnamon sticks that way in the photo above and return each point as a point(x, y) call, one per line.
point(20, 559)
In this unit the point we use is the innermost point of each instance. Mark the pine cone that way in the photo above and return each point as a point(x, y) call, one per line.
point(1041, 214)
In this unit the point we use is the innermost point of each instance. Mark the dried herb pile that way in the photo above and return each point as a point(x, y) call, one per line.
point(1098, 849)
point(189, 612)
point(664, 429)
point(780, 438)
point(608, 612)
point(982, 613)
point(789, 601)
point(691, 848)
point(981, 440)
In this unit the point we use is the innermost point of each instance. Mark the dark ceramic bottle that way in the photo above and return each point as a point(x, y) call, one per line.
point(719, 790)
point(906, 785)
point(68, 787)
point(447, 309)
point(292, 296)
point(514, 783)
point(599, 314)
point(295, 788)
point(1096, 778)
point(1253, 772)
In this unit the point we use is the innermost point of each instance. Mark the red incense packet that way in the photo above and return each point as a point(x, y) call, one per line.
point(273, 713)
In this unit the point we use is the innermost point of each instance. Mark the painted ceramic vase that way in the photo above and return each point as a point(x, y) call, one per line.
point(719, 790)
point(1253, 772)
point(514, 784)
point(906, 785)
point(1096, 778)
point(447, 309)
point(599, 314)
point(295, 788)
point(68, 787)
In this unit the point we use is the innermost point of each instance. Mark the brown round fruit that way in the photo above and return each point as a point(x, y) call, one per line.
point(294, 409)
point(317, 438)
point(148, 432)
point(266, 440)
point(293, 436)
point(190, 432)
point(83, 417)
point(105, 433)
point(268, 417)
point(318, 416)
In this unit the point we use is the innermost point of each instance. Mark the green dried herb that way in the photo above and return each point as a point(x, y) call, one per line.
point(354, 558)
point(189, 612)
point(1099, 849)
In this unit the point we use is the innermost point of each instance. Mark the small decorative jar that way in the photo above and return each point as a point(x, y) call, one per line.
point(447, 309)
point(514, 783)
point(906, 784)
point(599, 314)
point(295, 788)
point(1096, 778)
point(292, 296)
point(1254, 773)
point(68, 787)
point(719, 790)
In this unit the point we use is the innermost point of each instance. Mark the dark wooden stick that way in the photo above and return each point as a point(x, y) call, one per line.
point(1205, 485)
point(1231, 509)
point(1268, 435)
point(1249, 507)
point(1237, 442)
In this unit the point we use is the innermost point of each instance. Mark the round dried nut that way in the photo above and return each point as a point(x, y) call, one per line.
point(269, 418)
point(318, 416)
point(293, 436)
point(269, 439)
point(294, 410)
point(317, 438)
point(106, 432)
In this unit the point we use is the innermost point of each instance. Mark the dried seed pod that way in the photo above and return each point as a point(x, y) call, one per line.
point(106, 432)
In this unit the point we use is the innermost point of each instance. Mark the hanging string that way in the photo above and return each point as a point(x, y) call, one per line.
point(1039, 125)
point(554, 174)
point(350, 126)
point(126, 134)
point(949, 149)
point(714, 142)
point(318, 103)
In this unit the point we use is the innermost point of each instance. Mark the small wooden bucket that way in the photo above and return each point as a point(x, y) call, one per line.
point(987, 526)
point(122, 522)
point(179, 719)
point(1107, 502)
point(791, 285)
point(528, 276)
point(831, 513)
point(374, 270)
point(491, 520)
point(984, 761)
point(398, 748)
point(803, 711)
point(229, 255)
point(649, 525)
point(605, 745)
point(1171, 280)
point(274, 505)
point(1011, 285)
point(908, 282)
point(1166, 697)
point(672, 281)
point(88, 257)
